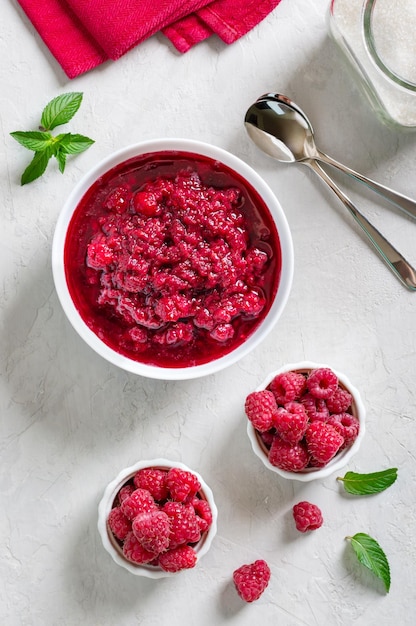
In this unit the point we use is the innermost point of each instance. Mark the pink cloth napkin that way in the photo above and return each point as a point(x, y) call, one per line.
point(82, 34)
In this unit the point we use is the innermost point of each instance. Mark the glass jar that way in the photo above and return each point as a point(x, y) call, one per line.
point(378, 39)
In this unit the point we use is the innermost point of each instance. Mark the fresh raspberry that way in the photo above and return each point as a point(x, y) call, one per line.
point(139, 502)
point(183, 557)
point(134, 551)
point(184, 523)
point(203, 513)
point(251, 580)
point(152, 529)
point(267, 437)
point(125, 492)
point(288, 457)
point(118, 523)
point(260, 408)
point(307, 516)
point(314, 463)
point(347, 425)
point(315, 408)
point(340, 401)
point(287, 386)
point(154, 480)
point(323, 441)
point(322, 382)
point(291, 422)
point(182, 485)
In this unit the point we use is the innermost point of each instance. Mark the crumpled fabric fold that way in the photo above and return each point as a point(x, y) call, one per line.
point(82, 34)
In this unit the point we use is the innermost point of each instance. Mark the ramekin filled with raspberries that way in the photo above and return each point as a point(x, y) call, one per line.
point(157, 518)
point(305, 421)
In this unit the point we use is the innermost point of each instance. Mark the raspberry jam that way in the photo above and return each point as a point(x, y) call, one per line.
point(172, 259)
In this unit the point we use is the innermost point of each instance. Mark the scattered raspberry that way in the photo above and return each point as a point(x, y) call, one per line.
point(287, 386)
point(307, 516)
point(316, 408)
point(154, 480)
point(323, 441)
point(322, 382)
point(340, 401)
point(347, 425)
point(288, 457)
point(184, 523)
point(203, 513)
point(183, 557)
point(291, 422)
point(183, 485)
point(140, 501)
point(152, 529)
point(260, 408)
point(134, 551)
point(118, 523)
point(251, 580)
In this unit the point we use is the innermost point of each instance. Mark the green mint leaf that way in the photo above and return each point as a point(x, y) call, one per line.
point(60, 110)
point(61, 158)
point(36, 167)
point(33, 140)
point(370, 554)
point(365, 484)
point(74, 144)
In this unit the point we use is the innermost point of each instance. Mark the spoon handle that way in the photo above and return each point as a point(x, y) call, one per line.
point(397, 263)
point(402, 202)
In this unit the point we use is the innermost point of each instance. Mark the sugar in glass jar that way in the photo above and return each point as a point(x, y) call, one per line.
point(378, 39)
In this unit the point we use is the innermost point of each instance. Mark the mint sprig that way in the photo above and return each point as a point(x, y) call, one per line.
point(371, 555)
point(58, 111)
point(366, 484)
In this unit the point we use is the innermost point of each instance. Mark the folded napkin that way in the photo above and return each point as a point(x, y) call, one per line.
point(82, 34)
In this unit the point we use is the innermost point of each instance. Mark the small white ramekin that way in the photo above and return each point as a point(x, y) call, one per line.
point(106, 504)
point(340, 459)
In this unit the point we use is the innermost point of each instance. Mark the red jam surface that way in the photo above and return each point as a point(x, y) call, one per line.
point(172, 259)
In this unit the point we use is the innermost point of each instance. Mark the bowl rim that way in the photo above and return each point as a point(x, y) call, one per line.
point(105, 506)
point(340, 460)
point(234, 163)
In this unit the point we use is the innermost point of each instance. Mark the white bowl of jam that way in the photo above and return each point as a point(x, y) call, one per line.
point(172, 259)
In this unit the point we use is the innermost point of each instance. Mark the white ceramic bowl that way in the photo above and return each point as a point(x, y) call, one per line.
point(340, 459)
point(243, 170)
point(106, 504)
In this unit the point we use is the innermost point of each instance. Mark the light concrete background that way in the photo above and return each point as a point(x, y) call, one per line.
point(70, 421)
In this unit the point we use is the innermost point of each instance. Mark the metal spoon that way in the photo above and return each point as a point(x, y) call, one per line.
point(290, 129)
point(283, 131)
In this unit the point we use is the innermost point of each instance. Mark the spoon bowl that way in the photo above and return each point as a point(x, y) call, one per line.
point(281, 130)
